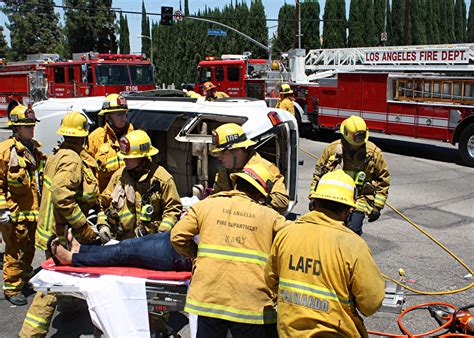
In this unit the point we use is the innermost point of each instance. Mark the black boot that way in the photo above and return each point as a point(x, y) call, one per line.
point(17, 299)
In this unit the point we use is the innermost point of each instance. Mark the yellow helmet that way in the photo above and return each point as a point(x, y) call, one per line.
point(336, 186)
point(136, 144)
point(257, 175)
point(275, 65)
point(354, 130)
point(22, 116)
point(74, 124)
point(114, 103)
point(286, 89)
point(209, 85)
point(229, 136)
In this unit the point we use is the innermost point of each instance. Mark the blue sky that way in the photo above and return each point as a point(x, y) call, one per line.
point(152, 6)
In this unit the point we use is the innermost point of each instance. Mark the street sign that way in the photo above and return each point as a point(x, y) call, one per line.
point(216, 32)
point(178, 15)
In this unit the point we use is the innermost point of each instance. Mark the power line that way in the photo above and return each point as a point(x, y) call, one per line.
point(121, 11)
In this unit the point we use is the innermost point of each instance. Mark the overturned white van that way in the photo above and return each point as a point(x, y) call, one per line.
point(181, 129)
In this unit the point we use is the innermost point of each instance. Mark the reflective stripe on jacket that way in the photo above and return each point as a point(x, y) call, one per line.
point(322, 272)
point(279, 196)
point(124, 195)
point(370, 160)
point(235, 236)
point(70, 191)
point(21, 179)
point(104, 147)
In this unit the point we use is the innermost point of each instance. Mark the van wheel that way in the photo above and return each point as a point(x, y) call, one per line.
point(466, 145)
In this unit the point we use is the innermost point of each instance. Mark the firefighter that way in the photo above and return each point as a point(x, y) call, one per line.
point(211, 92)
point(364, 162)
point(235, 152)
point(141, 197)
point(285, 102)
point(103, 142)
point(188, 91)
point(323, 273)
point(21, 179)
point(235, 235)
point(70, 192)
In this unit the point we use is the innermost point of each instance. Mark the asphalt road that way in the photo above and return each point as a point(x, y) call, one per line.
point(428, 186)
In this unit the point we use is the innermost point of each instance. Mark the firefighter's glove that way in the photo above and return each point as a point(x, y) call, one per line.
point(5, 218)
point(105, 234)
point(374, 215)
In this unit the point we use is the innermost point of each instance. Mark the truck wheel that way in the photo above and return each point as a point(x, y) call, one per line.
point(466, 145)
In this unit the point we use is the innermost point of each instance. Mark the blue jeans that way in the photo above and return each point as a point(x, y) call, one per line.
point(153, 251)
point(356, 221)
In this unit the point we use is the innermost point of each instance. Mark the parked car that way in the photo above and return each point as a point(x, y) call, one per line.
point(181, 129)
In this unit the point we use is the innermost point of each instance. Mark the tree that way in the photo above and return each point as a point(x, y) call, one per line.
point(356, 25)
point(3, 44)
point(460, 17)
point(33, 27)
point(258, 28)
point(379, 19)
point(370, 36)
point(286, 29)
point(90, 26)
point(310, 25)
point(105, 27)
point(417, 23)
point(470, 24)
point(146, 42)
point(334, 26)
point(124, 35)
point(447, 21)
point(397, 20)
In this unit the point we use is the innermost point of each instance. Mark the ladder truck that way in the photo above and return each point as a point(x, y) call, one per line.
point(424, 92)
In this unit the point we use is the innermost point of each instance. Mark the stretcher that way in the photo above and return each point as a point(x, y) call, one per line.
point(165, 290)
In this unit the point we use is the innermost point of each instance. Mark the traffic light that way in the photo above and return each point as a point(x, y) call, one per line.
point(166, 16)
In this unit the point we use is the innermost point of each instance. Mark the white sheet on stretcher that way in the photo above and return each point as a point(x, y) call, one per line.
point(117, 304)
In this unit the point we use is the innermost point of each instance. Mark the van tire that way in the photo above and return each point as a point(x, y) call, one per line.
point(466, 145)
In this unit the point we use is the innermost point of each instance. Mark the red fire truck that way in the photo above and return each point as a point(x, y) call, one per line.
point(87, 74)
point(418, 91)
point(423, 92)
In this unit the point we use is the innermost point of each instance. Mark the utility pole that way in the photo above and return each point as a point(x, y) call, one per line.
point(297, 25)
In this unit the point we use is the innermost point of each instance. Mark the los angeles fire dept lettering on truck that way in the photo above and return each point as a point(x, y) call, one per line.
point(44, 76)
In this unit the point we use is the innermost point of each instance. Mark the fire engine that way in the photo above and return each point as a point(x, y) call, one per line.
point(423, 92)
point(87, 74)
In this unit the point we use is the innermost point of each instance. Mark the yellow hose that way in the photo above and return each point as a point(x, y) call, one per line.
point(467, 287)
